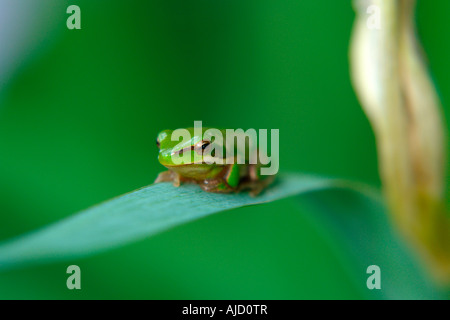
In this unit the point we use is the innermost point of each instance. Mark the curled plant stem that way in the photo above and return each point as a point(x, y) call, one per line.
point(399, 98)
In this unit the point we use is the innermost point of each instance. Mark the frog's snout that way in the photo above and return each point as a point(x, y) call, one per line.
point(165, 156)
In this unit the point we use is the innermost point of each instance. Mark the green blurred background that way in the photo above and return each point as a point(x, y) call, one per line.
point(80, 110)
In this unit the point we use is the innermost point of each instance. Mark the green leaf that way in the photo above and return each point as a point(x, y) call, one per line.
point(137, 215)
point(353, 216)
point(358, 227)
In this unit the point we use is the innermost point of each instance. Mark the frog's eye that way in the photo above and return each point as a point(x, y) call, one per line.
point(205, 144)
point(201, 146)
point(157, 143)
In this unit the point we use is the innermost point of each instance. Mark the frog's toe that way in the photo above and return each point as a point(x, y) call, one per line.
point(176, 181)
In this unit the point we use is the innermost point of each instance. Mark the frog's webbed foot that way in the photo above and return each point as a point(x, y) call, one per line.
point(169, 176)
point(217, 186)
point(255, 182)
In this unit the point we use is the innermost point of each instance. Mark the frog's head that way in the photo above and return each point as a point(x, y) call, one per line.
point(189, 144)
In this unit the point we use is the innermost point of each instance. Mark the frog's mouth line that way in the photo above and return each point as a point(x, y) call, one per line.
point(184, 165)
point(203, 162)
point(191, 148)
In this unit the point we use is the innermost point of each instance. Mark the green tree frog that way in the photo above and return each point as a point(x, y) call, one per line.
point(207, 163)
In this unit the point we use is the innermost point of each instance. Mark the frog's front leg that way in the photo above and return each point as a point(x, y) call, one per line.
point(226, 182)
point(169, 176)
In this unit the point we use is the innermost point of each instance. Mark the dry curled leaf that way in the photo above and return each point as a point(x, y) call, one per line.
point(393, 85)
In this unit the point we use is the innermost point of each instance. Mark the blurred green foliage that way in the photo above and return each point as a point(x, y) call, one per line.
point(78, 124)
